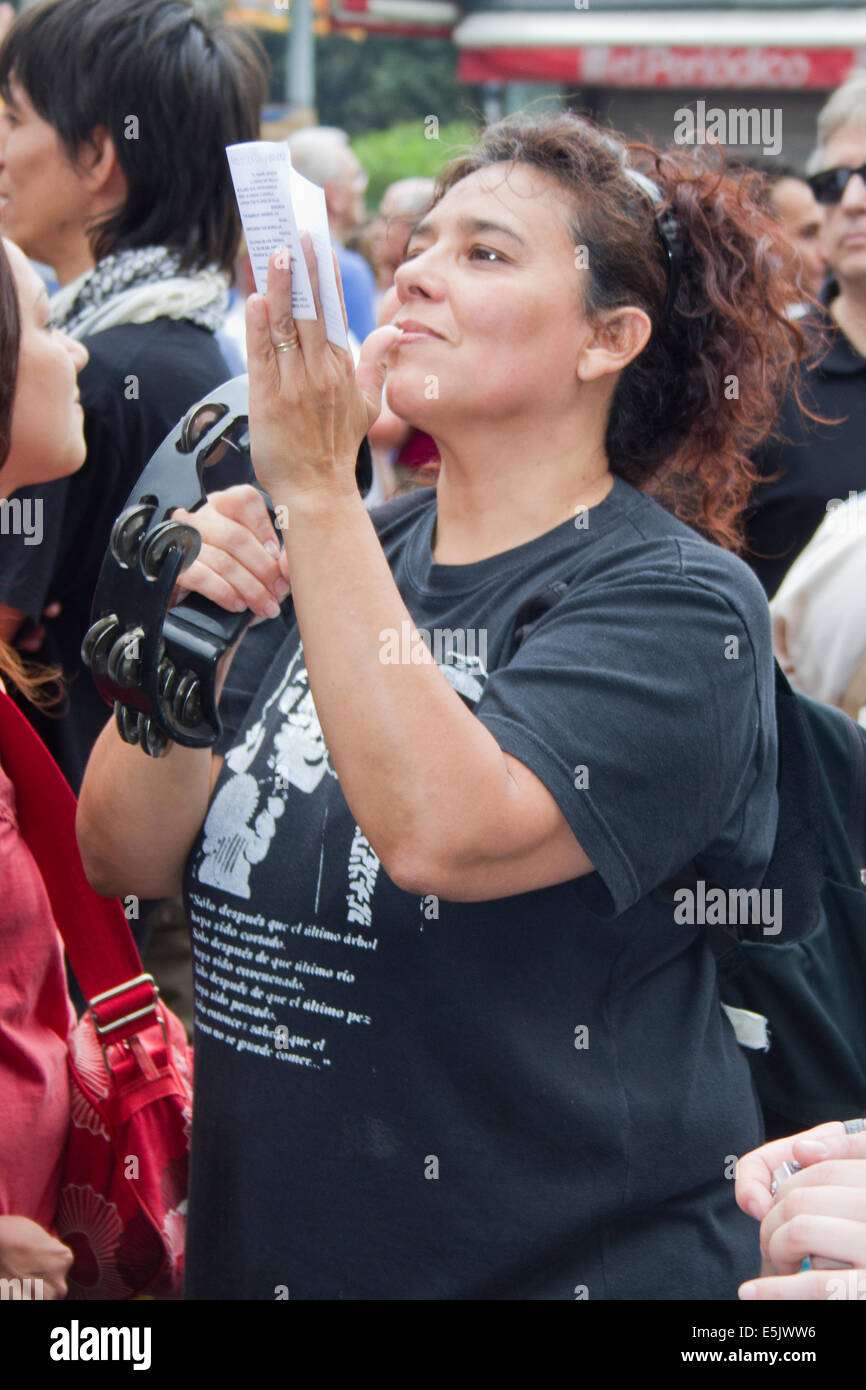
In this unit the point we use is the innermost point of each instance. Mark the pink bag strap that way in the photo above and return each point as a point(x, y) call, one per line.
point(95, 931)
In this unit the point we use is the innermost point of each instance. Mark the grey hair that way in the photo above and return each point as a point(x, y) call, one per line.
point(409, 197)
point(319, 153)
point(845, 106)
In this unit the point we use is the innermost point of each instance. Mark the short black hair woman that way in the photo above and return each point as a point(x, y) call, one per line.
point(41, 437)
point(113, 172)
point(451, 1042)
point(121, 67)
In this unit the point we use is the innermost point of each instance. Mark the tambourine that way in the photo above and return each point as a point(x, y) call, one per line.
point(157, 663)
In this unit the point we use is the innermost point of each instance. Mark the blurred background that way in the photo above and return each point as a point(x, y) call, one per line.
point(378, 69)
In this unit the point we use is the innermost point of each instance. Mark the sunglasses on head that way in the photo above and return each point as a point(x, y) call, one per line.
point(830, 184)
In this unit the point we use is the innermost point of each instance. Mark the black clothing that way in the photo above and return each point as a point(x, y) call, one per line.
point(816, 463)
point(139, 381)
point(405, 1098)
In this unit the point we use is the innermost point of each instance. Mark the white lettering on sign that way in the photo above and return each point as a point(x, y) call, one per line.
point(664, 66)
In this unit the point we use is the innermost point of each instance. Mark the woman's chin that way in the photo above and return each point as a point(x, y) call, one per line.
point(413, 406)
point(73, 463)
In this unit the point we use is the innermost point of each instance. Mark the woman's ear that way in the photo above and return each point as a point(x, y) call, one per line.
point(619, 336)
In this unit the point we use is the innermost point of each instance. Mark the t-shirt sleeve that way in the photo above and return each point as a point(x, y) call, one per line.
point(643, 702)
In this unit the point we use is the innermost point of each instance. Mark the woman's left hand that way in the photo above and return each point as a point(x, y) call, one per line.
point(309, 406)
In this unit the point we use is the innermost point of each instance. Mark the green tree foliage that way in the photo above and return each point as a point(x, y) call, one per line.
point(376, 83)
point(404, 152)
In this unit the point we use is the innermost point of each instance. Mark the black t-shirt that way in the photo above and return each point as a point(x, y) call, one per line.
point(139, 381)
point(535, 1097)
point(815, 463)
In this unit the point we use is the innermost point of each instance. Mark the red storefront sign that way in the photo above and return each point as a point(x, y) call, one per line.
point(660, 66)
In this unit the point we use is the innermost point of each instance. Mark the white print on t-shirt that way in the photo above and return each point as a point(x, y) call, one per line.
point(231, 844)
point(278, 989)
point(466, 673)
point(363, 872)
point(237, 833)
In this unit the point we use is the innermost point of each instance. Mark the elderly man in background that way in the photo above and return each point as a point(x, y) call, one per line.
point(809, 466)
point(401, 452)
point(323, 155)
point(401, 207)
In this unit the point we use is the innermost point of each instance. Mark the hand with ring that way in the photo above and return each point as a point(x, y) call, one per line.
point(309, 406)
point(813, 1217)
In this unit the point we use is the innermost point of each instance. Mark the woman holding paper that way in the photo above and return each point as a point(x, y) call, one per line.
point(451, 1042)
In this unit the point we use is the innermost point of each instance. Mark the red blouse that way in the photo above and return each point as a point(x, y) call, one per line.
point(35, 1019)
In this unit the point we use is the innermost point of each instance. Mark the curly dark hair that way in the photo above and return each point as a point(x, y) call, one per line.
point(690, 410)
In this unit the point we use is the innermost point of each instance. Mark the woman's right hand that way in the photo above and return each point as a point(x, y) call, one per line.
point(241, 563)
point(29, 1252)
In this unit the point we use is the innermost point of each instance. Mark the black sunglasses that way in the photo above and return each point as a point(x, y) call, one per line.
point(830, 184)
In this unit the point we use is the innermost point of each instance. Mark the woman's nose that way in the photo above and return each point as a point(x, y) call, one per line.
point(418, 275)
point(77, 351)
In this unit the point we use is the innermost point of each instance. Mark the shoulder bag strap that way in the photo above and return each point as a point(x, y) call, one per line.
point(95, 931)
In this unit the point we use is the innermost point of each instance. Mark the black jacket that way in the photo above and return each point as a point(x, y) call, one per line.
point(814, 463)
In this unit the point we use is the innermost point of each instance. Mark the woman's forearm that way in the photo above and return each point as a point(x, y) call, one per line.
point(138, 816)
point(418, 770)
